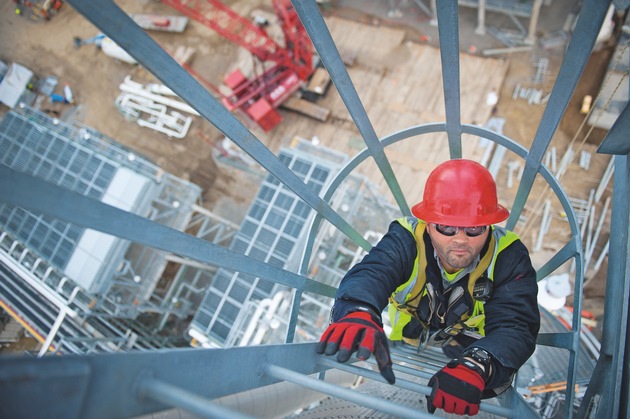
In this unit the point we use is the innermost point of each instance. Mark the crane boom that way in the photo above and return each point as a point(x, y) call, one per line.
point(232, 26)
point(298, 44)
point(292, 64)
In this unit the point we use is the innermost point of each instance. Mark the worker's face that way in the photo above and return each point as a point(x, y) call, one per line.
point(457, 251)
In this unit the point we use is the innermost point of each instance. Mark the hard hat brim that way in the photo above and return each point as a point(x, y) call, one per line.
point(421, 211)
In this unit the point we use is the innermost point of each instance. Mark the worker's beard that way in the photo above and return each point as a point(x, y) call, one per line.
point(456, 259)
point(455, 256)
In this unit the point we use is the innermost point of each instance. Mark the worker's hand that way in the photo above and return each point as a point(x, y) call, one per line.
point(362, 332)
point(457, 388)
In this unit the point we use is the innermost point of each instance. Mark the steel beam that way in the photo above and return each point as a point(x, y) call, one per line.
point(122, 385)
point(42, 197)
point(121, 28)
point(448, 27)
point(327, 50)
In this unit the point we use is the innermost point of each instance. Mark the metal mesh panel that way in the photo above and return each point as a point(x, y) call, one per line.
point(44, 153)
point(270, 231)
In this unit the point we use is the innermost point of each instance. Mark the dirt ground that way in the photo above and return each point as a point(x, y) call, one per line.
point(47, 48)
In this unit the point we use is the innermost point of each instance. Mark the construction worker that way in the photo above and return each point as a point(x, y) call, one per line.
point(451, 279)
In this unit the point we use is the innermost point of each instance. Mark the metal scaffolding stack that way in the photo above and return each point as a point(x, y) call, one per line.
point(75, 289)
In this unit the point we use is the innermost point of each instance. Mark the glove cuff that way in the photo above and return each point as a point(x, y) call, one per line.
point(470, 365)
point(364, 309)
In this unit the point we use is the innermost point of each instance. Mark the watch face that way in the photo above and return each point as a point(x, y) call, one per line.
point(482, 354)
point(479, 355)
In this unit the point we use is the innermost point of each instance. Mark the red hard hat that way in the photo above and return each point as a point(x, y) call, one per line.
point(460, 193)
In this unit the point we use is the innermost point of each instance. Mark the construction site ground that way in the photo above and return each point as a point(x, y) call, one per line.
point(396, 70)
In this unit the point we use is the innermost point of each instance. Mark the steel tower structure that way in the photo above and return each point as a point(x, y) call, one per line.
point(132, 384)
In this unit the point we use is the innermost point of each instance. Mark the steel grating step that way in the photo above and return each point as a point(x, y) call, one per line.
point(337, 408)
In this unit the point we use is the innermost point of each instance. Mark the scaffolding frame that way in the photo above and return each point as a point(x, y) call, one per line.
point(56, 309)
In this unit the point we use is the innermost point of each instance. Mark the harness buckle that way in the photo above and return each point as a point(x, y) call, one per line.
point(439, 338)
point(444, 336)
point(423, 340)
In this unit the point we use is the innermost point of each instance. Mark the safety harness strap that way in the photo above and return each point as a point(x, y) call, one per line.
point(418, 290)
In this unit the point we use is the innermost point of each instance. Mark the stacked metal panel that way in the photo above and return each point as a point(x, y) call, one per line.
point(56, 272)
point(33, 148)
point(271, 230)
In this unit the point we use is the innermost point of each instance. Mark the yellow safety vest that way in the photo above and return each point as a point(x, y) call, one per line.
point(407, 297)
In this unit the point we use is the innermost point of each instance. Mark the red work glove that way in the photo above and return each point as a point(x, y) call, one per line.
point(457, 388)
point(362, 332)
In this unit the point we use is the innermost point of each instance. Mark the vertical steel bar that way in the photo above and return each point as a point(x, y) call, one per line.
point(295, 311)
point(322, 40)
point(609, 384)
point(615, 330)
point(448, 28)
point(575, 59)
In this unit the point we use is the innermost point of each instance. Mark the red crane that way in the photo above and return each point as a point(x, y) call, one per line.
point(291, 65)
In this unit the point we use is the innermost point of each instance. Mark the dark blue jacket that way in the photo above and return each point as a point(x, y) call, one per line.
point(512, 316)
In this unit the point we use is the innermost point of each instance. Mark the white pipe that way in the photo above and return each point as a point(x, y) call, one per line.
point(481, 18)
point(161, 123)
point(564, 163)
point(543, 225)
point(587, 210)
point(160, 89)
point(517, 89)
point(51, 335)
point(209, 214)
point(131, 88)
point(59, 287)
point(73, 294)
point(158, 120)
point(589, 233)
point(605, 179)
point(497, 159)
point(271, 311)
point(486, 154)
point(598, 229)
point(589, 205)
point(253, 322)
point(188, 262)
point(548, 159)
point(585, 160)
point(602, 255)
point(512, 166)
point(38, 286)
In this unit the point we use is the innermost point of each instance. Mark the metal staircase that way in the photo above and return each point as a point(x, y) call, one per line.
point(139, 383)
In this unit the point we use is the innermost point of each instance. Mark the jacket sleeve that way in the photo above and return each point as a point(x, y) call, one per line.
point(512, 315)
point(370, 282)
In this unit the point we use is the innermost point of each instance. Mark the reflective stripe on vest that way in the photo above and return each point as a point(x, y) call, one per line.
point(407, 296)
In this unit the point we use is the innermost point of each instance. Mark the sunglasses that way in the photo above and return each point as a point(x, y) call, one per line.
point(451, 230)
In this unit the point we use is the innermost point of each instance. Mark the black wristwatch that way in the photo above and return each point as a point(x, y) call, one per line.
point(481, 356)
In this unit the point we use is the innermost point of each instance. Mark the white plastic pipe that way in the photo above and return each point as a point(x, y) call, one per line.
point(131, 88)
